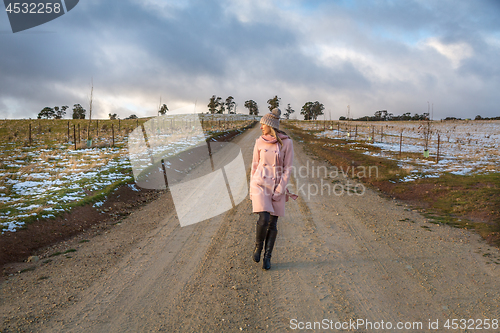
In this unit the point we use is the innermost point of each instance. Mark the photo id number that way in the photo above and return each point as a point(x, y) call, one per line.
point(33, 8)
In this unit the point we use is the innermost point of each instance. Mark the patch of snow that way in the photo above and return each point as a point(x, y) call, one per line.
point(133, 187)
point(98, 204)
point(465, 147)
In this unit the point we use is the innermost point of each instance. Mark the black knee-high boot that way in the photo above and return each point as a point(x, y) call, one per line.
point(260, 234)
point(272, 232)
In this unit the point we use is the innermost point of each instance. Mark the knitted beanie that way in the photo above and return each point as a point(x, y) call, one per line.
point(272, 119)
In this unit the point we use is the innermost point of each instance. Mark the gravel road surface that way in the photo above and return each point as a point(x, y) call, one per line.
point(344, 260)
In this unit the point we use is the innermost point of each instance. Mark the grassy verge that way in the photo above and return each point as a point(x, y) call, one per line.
point(464, 201)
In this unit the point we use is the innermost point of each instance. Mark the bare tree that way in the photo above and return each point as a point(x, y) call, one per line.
point(90, 108)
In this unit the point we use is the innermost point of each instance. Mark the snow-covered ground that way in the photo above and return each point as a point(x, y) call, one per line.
point(465, 147)
point(42, 180)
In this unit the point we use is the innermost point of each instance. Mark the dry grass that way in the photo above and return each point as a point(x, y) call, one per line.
point(50, 173)
point(466, 201)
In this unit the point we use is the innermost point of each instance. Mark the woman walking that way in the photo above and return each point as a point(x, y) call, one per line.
point(271, 169)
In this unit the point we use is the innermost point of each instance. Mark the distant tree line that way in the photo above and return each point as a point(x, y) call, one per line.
point(59, 112)
point(478, 117)
point(383, 115)
point(216, 105)
point(79, 112)
point(55, 112)
point(273, 103)
point(253, 108)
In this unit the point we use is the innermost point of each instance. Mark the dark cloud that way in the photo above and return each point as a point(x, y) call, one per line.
point(368, 54)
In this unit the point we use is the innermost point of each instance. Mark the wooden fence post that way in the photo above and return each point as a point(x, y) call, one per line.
point(437, 155)
point(74, 134)
point(29, 135)
point(400, 143)
point(113, 134)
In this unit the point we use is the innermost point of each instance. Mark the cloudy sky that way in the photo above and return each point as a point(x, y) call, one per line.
point(400, 56)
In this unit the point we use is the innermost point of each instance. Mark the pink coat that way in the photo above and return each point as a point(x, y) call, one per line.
point(271, 170)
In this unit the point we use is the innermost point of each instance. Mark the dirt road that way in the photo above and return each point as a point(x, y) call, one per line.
point(343, 261)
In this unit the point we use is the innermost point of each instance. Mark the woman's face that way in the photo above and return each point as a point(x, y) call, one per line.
point(266, 130)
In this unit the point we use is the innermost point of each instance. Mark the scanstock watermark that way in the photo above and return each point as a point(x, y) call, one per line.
point(25, 15)
point(205, 178)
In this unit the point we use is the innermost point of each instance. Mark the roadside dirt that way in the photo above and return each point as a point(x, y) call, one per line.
point(340, 256)
point(18, 246)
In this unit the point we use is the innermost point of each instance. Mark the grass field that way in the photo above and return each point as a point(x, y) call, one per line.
point(464, 147)
point(48, 174)
point(462, 189)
